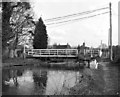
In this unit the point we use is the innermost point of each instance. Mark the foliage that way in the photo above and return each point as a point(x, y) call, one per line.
point(116, 53)
point(6, 30)
point(16, 17)
point(40, 40)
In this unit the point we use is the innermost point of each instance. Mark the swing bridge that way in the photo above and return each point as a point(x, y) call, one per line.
point(68, 53)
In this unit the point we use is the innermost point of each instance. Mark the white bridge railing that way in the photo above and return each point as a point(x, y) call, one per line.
point(52, 52)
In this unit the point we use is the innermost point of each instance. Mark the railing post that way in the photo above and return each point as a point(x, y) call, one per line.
point(57, 52)
point(66, 52)
point(40, 51)
point(49, 51)
point(32, 52)
point(24, 53)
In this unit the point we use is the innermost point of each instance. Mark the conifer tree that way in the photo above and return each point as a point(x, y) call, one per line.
point(40, 40)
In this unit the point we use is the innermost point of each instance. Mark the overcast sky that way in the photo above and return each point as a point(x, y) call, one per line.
point(91, 30)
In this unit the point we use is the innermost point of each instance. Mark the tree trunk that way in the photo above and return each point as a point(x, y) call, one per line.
point(5, 53)
point(11, 53)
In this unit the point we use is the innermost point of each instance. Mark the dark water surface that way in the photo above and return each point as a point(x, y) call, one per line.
point(37, 81)
point(24, 80)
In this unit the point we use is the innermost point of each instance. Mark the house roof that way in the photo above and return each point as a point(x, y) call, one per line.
point(61, 46)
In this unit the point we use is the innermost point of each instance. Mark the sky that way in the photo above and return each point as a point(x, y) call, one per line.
point(91, 31)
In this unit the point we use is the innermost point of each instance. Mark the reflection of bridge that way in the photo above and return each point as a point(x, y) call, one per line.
point(52, 52)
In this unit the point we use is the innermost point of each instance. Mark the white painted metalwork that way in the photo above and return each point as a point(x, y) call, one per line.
point(52, 52)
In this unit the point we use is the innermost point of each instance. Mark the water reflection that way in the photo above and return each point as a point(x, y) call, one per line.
point(60, 80)
point(37, 81)
point(40, 80)
point(17, 82)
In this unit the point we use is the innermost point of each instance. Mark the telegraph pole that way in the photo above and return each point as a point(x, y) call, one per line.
point(110, 32)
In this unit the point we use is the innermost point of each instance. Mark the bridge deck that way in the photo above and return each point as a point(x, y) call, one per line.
point(52, 52)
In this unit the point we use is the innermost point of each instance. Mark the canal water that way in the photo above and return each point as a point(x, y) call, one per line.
point(38, 81)
point(23, 80)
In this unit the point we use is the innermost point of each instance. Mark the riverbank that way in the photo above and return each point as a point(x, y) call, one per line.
point(65, 65)
point(91, 83)
point(19, 61)
point(102, 81)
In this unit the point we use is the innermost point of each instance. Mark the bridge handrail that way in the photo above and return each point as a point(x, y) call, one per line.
point(53, 51)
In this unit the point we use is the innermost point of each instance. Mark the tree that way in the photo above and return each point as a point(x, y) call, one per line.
point(15, 17)
point(40, 40)
point(6, 30)
point(16, 21)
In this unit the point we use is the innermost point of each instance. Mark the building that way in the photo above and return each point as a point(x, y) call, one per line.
point(67, 46)
point(83, 49)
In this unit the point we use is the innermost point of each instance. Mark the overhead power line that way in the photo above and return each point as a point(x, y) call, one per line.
point(73, 15)
point(71, 20)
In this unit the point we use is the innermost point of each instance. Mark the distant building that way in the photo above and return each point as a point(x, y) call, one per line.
point(83, 49)
point(104, 50)
point(89, 52)
point(61, 46)
point(103, 46)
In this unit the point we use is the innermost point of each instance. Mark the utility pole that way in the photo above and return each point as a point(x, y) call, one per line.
point(110, 32)
point(119, 23)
